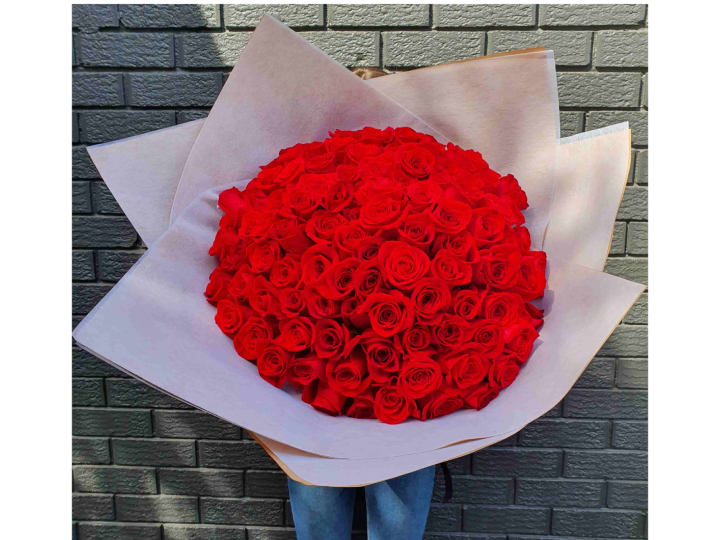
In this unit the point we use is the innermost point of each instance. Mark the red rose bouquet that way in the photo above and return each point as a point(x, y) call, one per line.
point(382, 273)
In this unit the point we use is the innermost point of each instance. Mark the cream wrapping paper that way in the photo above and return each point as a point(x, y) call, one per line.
point(95, 336)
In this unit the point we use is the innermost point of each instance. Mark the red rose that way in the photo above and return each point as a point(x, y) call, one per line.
point(367, 249)
point(465, 366)
point(347, 237)
point(322, 226)
point(508, 185)
point(347, 173)
point(499, 267)
point(407, 135)
point(292, 302)
point(486, 226)
point(461, 245)
point(377, 167)
point(383, 355)
point(241, 283)
point(296, 333)
point(254, 330)
point(392, 407)
point(330, 339)
point(479, 396)
point(299, 202)
point(350, 315)
point(231, 200)
point(290, 172)
point(451, 216)
point(519, 339)
point(286, 272)
point(430, 298)
point(533, 315)
point(415, 160)
point(304, 370)
point(359, 151)
point(339, 196)
point(504, 308)
point(348, 376)
point(424, 195)
point(272, 362)
point(466, 304)
point(402, 265)
point(439, 403)
point(337, 281)
point(503, 371)
point(383, 213)
point(321, 164)
point(389, 313)
point(416, 339)
point(377, 136)
point(362, 406)
point(263, 296)
point(418, 231)
point(289, 234)
point(323, 398)
point(320, 307)
point(265, 180)
point(224, 240)
point(235, 258)
point(488, 335)
point(217, 289)
point(531, 277)
point(447, 267)
point(228, 317)
point(315, 261)
point(367, 279)
point(262, 255)
point(449, 332)
point(419, 377)
point(256, 226)
point(317, 184)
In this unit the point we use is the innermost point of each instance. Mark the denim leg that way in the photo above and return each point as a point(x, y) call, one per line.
point(397, 509)
point(321, 513)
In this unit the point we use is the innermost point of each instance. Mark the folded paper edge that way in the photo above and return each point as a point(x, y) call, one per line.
point(295, 476)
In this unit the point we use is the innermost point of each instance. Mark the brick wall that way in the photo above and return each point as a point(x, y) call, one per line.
point(146, 466)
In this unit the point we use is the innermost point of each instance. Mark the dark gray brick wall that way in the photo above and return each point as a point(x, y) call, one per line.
point(147, 466)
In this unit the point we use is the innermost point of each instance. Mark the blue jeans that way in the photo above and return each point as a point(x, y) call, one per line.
point(397, 509)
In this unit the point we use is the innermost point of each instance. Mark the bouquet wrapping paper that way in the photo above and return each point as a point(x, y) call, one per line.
point(156, 325)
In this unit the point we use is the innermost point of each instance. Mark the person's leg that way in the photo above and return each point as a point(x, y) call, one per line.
point(321, 513)
point(397, 509)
